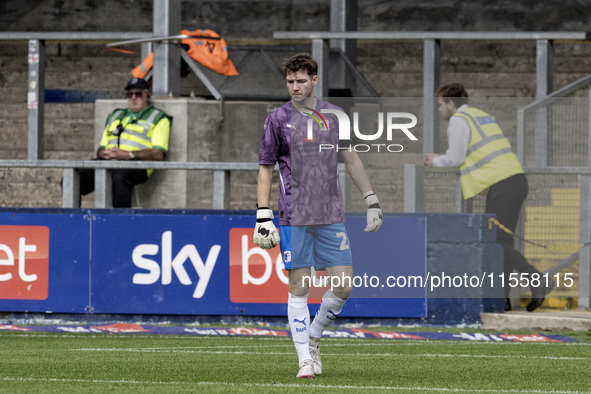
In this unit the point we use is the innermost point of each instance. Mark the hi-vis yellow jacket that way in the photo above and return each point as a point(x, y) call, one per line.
point(212, 53)
point(489, 158)
point(133, 131)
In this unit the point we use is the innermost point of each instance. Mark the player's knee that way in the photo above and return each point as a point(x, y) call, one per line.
point(343, 291)
point(299, 288)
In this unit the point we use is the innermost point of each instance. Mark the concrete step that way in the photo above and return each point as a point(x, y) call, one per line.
point(14, 78)
point(63, 135)
point(20, 176)
point(14, 95)
point(537, 320)
point(18, 195)
point(78, 111)
point(14, 111)
point(115, 64)
point(91, 79)
point(30, 188)
point(53, 111)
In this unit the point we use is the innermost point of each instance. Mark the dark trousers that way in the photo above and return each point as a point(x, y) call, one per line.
point(505, 199)
point(123, 182)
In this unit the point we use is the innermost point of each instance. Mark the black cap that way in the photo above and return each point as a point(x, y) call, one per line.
point(137, 83)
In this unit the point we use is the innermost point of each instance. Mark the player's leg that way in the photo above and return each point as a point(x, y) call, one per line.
point(332, 252)
point(298, 314)
point(333, 300)
point(331, 306)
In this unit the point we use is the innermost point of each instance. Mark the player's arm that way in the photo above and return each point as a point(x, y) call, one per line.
point(357, 172)
point(264, 185)
point(266, 235)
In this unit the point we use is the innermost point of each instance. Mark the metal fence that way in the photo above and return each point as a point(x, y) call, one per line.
point(555, 131)
point(555, 224)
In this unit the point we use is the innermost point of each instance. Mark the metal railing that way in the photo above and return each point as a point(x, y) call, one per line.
point(564, 114)
point(103, 198)
point(560, 249)
point(431, 60)
point(36, 75)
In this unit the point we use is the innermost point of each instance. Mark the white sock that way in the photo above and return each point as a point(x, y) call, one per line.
point(299, 323)
point(330, 307)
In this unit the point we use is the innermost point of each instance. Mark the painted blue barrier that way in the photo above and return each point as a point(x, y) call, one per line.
point(188, 263)
point(55, 276)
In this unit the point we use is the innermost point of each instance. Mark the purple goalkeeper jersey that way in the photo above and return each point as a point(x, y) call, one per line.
point(309, 190)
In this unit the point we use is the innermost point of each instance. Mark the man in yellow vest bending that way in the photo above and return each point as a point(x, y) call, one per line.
point(139, 132)
point(487, 166)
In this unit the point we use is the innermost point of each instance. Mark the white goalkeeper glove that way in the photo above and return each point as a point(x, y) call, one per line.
point(374, 212)
point(266, 235)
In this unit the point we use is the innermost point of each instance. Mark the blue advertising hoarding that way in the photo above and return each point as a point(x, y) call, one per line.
point(44, 262)
point(199, 263)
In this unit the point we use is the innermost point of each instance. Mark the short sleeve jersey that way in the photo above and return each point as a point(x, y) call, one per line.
point(305, 146)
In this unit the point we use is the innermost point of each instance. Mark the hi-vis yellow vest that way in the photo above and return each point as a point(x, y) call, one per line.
point(137, 131)
point(489, 158)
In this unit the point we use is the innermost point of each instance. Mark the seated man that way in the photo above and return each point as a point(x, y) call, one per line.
point(140, 132)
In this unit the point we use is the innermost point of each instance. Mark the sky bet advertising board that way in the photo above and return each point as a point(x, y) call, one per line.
point(194, 263)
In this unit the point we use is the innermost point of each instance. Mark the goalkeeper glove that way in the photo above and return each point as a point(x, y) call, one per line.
point(374, 212)
point(266, 235)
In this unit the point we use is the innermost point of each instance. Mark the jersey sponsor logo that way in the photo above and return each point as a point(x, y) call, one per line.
point(24, 262)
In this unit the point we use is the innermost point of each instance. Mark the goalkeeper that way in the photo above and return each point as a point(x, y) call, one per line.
point(311, 212)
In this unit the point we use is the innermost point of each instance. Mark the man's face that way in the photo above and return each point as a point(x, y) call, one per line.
point(300, 85)
point(137, 99)
point(446, 108)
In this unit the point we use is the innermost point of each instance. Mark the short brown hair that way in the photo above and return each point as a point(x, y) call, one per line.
point(453, 92)
point(301, 62)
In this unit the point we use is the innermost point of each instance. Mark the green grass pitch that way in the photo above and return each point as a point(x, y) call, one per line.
point(125, 363)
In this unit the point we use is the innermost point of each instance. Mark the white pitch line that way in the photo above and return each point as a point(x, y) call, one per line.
point(183, 350)
point(286, 385)
point(357, 344)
